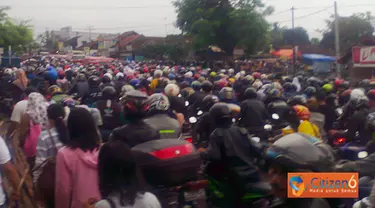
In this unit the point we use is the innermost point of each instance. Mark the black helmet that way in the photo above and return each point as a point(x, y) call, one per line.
point(297, 100)
point(288, 79)
point(81, 77)
point(94, 81)
point(364, 83)
point(344, 97)
point(331, 99)
point(299, 151)
point(310, 91)
point(313, 81)
point(289, 87)
point(208, 102)
point(135, 104)
point(206, 86)
point(222, 113)
point(359, 103)
point(344, 85)
point(109, 93)
point(250, 93)
point(106, 79)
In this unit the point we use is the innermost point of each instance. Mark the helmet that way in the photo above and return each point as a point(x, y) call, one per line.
point(327, 88)
point(256, 75)
point(370, 122)
point(303, 112)
point(53, 90)
point(263, 76)
point(288, 79)
point(226, 93)
point(120, 75)
point(187, 92)
point(94, 81)
point(208, 102)
point(310, 91)
point(172, 90)
point(230, 71)
point(250, 78)
point(196, 85)
point(213, 74)
point(171, 76)
point(8, 71)
point(135, 104)
point(250, 93)
point(188, 74)
point(371, 94)
point(344, 97)
point(297, 100)
point(61, 73)
point(68, 102)
point(371, 85)
point(158, 73)
point(257, 84)
point(109, 93)
point(223, 112)
point(357, 93)
point(364, 83)
point(126, 88)
point(344, 85)
point(299, 151)
point(134, 82)
point(158, 102)
point(81, 77)
point(289, 87)
point(313, 81)
point(206, 86)
point(359, 102)
point(274, 93)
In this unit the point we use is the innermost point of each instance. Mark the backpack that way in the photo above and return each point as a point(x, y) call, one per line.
point(31, 141)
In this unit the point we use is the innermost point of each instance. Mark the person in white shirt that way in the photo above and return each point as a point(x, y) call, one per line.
point(10, 173)
point(18, 111)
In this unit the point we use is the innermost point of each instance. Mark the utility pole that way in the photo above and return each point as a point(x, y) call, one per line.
point(337, 40)
point(294, 46)
point(90, 29)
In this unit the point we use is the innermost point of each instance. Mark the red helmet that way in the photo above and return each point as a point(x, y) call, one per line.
point(303, 112)
point(371, 94)
point(338, 82)
point(256, 75)
point(66, 67)
point(61, 73)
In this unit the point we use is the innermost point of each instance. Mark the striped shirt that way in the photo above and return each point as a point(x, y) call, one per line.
point(46, 149)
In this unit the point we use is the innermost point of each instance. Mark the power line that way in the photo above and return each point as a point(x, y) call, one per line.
point(91, 8)
point(307, 15)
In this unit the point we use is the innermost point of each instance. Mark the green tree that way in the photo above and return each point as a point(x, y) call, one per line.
point(315, 41)
point(286, 37)
point(352, 28)
point(224, 23)
point(16, 34)
point(168, 51)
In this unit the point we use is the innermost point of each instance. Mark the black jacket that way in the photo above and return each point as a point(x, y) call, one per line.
point(204, 127)
point(231, 148)
point(135, 133)
point(111, 116)
point(253, 114)
point(329, 115)
point(82, 88)
point(357, 123)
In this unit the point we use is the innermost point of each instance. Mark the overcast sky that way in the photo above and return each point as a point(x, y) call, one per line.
point(156, 17)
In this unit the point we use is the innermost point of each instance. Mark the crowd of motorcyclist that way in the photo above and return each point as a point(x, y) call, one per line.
point(131, 103)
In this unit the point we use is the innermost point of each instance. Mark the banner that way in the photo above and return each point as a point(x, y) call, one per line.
point(363, 55)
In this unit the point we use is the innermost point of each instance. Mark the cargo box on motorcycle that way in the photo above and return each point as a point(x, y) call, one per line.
point(168, 162)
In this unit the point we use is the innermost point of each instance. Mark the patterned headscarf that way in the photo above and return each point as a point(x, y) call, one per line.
point(37, 110)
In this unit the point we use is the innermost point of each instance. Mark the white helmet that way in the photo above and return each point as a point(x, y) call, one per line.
point(120, 74)
point(188, 74)
point(8, 71)
point(263, 76)
point(257, 84)
point(108, 75)
point(356, 94)
point(149, 79)
point(158, 102)
point(172, 90)
point(158, 73)
point(243, 73)
point(230, 71)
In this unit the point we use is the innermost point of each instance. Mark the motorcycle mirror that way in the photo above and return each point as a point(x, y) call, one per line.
point(267, 127)
point(255, 139)
point(187, 103)
point(193, 120)
point(234, 120)
point(200, 113)
point(179, 95)
point(275, 116)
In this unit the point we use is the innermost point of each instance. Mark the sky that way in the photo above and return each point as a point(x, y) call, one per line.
point(157, 17)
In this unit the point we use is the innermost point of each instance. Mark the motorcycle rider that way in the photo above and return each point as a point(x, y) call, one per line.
point(297, 153)
point(62, 82)
point(119, 82)
point(136, 131)
point(205, 125)
point(231, 155)
point(253, 112)
point(226, 95)
point(158, 118)
point(80, 87)
point(110, 110)
point(106, 81)
point(55, 94)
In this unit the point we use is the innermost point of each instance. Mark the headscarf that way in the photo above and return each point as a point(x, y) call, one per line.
point(37, 110)
point(296, 82)
point(21, 80)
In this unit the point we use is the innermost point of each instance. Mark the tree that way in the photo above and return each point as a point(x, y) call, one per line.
point(352, 28)
point(315, 41)
point(173, 52)
point(284, 36)
point(16, 34)
point(224, 23)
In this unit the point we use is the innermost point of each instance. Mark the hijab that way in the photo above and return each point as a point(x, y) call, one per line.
point(21, 80)
point(37, 110)
point(296, 82)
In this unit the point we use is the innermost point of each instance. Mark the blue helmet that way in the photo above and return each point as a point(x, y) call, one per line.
point(135, 83)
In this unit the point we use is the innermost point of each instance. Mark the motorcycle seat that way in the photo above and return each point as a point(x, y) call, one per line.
point(262, 188)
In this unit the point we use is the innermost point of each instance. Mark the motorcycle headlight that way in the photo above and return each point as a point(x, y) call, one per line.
point(267, 127)
point(275, 116)
point(187, 103)
point(362, 154)
point(339, 111)
point(179, 95)
point(234, 120)
point(200, 113)
point(193, 120)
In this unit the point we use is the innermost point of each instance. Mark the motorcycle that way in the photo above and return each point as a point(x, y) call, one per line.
point(347, 150)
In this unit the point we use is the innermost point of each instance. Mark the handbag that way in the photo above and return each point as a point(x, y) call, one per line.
point(31, 140)
point(45, 184)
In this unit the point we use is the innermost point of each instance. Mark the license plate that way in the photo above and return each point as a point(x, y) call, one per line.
point(195, 195)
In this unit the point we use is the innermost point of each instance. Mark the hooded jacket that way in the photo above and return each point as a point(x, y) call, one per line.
point(76, 177)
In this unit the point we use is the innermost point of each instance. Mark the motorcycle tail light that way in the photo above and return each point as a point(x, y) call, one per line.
point(339, 141)
point(173, 152)
point(190, 140)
